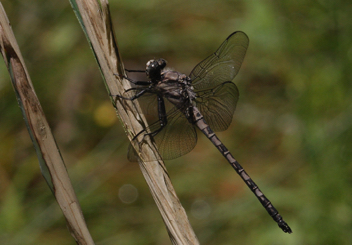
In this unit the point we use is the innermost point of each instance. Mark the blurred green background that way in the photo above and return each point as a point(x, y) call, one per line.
point(292, 129)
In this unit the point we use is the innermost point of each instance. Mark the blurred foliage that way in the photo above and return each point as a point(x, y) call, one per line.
point(292, 130)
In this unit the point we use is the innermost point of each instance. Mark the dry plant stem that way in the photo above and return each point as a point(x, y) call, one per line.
point(41, 135)
point(97, 23)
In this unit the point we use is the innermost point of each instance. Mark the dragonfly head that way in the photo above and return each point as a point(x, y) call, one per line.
point(154, 68)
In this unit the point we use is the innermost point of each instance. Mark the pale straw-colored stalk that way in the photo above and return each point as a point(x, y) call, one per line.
point(50, 160)
point(96, 22)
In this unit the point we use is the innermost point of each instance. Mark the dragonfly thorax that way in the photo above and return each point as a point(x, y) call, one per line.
point(176, 87)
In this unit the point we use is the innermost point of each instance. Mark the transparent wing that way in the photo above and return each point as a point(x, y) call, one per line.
point(223, 65)
point(177, 138)
point(218, 105)
point(147, 102)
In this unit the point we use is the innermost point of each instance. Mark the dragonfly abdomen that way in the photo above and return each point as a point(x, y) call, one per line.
point(205, 128)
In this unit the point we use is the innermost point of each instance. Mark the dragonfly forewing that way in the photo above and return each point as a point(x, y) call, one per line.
point(223, 65)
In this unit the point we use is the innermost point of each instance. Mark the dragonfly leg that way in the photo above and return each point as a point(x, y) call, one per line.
point(162, 119)
point(134, 70)
point(162, 116)
point(130, 89)
point(142, 83)
point(139, 94)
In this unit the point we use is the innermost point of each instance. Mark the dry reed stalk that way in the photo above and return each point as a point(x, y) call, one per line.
point(50, 160)
point(95, 20)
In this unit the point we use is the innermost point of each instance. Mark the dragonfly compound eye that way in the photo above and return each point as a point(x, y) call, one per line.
point(161, 63)
point(154, 67)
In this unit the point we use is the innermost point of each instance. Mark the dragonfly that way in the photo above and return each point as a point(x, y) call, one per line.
point(206, 99)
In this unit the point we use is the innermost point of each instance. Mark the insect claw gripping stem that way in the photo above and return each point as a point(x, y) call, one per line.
point(135, 137)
